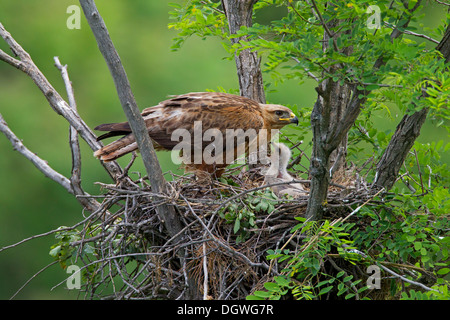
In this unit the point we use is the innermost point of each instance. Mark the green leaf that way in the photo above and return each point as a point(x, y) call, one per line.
point(272, 286)
point(322, 283)
point(423, 251)
point(274, 256)
point(443, 271)
point(262, 294)
point(254, 298)
point(237, 225)
point(349, 296)
point(325, 290)
point(348, 278)
point(417, 245)
point(55, 251)
point(282, 281)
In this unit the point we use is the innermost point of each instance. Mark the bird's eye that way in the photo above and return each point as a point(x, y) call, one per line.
point(279, 113)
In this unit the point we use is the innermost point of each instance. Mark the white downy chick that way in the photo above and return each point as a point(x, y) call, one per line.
point(277, 172)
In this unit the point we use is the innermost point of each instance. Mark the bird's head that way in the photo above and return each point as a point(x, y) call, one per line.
point(279, 160)
point(277, 116)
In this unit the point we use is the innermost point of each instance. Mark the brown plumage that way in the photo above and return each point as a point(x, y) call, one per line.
point(211, 110)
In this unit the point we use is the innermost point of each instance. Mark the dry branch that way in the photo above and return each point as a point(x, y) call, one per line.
point(59, 105)
point(131, 110)
point(165, 211)
point(90, 204)
point(222, 267)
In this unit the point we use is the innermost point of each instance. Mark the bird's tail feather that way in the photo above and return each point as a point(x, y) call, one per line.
point(117, 148)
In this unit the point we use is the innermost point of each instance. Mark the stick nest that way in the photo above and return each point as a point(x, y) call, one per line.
point(228, 227)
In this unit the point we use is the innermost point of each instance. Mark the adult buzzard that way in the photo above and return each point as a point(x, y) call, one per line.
point(208, 114)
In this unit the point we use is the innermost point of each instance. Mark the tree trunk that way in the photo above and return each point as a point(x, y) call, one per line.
point(329, 111)
point(334, 113)
point(338, 99)
point(239, 14)
point(165, 211)
point(396, 152)
point(248, 65)
point(408, 130)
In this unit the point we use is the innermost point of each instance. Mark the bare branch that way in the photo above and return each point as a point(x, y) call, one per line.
point(205, 272)
point(325, 25)
point(40, 164)
point(165, 211)
point(131, 110)
point(406, 279)
point(75, 179)
point(73, 186)
point(34, 276)
point(443, 3)
point(424, 36)
point(55, 100)
point(90, 204)
point(9, 60)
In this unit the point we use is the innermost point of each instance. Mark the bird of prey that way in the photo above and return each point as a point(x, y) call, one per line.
point(277, 173)
point(209, 114)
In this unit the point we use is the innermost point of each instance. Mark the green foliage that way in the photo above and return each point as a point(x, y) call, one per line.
point(303, 275)
point(409, 230)
point(411, 77)
point(426, 172)
point(415, 241)
point(62, 250)
point(199, 18)
point(437, 293)
point(409, 227)
point(241, 213)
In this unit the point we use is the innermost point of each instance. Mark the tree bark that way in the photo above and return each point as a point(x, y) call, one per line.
point(334, 113)
point(158, 184)
point(239, 14)
point(407, 131)
point(338, 98)
point(248, 64)
point(328, 117)
point(131, 110)
point(396, 152)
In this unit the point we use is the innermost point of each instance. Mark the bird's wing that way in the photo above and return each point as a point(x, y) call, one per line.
point(203, 110)
point(115, 129)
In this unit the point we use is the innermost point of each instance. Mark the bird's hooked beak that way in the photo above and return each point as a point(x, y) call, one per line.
point(292, 119)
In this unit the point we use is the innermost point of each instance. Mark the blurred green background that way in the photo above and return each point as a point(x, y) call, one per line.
point(32, 204)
